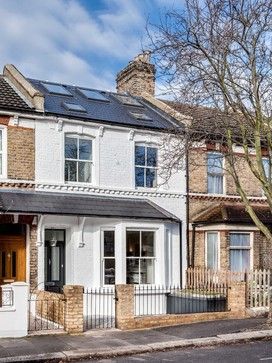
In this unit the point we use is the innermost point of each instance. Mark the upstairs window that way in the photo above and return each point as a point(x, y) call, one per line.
point(267, 168)
point(146, 159)
point(215, 173)
point(78, 159)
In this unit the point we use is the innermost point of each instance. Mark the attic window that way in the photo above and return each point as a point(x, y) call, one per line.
point(74, 107)
point(128, 100)
point(56, 89)
point(92, 95)
point(141, 116)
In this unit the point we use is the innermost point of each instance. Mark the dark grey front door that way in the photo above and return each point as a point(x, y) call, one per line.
point(54, 259)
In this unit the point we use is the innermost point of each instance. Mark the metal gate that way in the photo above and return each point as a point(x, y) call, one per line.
point(99, 308)
point(45, 313)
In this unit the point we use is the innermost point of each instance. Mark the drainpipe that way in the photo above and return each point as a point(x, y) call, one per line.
point(180, 246)
point(187, 207)
point(192, 264)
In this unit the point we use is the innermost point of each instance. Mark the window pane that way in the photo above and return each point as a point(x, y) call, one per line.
point(14, 264)
point(239, 240)
point(108, 243)
point(70, 170)
point(84, 171)
point(70, 148)
point(139, 177)
point(215, 184)
point(1, 140)
point(215, 163)
point(140, 155)
point(239, 260)
point(151, 180)
point(147, 244)
point(133, 243)
point(1, 168)
point(109, 275)
point(132, 271)
point(85, 149)
point(146, 271)
point(55, 234)
point(212, 250)
point(55, 264)
point(151, 156)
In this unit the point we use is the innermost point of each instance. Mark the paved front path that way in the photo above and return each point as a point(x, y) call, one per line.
point(107, 339)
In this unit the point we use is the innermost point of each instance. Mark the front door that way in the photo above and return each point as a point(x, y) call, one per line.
point(12, 259)
point(54, 259)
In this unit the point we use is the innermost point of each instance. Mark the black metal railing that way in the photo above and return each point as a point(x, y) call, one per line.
point(45, 314)
point(99, 308)
point(157, 300)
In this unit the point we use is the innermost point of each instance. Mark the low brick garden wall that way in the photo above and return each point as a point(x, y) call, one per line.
point(50, 306)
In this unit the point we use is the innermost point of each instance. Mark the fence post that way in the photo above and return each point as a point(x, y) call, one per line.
point(124, 307)
point(73, 308)
point(237, 298)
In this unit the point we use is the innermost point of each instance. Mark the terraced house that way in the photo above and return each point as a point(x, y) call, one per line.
point(81, 198)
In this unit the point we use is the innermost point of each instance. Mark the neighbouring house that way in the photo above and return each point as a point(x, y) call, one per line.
point(221, 234)
point(81, 198)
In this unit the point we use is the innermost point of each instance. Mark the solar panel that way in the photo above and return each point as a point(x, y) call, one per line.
point(74, 107)
point(56, 89)
point(128, 100)
point(141, 116)
point(92, 95)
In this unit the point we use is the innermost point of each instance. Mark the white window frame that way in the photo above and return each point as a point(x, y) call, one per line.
point(103, 258)
point(145, 145)
point(250, 248)
point(218, 248)
point(78, 137)
point(3, 152)
point(142, 258)
point(216, 174)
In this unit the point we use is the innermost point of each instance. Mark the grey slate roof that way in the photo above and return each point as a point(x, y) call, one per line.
point(113, 112)
point(9, 99)
point(13, 201)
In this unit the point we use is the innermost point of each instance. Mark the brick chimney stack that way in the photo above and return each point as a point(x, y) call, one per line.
point(137, 77)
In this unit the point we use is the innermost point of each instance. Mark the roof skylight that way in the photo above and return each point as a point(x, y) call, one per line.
point(141, 116)
point(128, 100)
point(56, 89)
point(74, 107)
point(92, 95)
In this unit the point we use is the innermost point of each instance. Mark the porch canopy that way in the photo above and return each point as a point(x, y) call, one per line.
point(34, 202)
point(232, 214)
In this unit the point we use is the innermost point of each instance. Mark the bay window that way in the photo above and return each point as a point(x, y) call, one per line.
point(146, 166)
point(212, 250)
point(239, 251)
point(78, 159)
point(215, 174)
point(140, 257)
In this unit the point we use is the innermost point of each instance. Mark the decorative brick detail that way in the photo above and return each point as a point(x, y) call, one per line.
point(33, 260)
point(124, 306)
point(21, 153)
point(73, 308)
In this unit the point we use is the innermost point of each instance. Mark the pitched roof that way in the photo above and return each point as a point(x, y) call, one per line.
point(236, 214)
point(10, 99)
point(13, 201)
point(110, 110)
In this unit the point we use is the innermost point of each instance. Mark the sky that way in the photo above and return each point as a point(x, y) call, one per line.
point(83, 42)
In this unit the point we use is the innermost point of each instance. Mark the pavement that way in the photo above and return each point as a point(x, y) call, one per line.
point(101, 344)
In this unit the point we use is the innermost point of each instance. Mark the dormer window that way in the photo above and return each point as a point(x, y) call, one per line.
point(78, 159)
point(215, 173)
point(146, 166)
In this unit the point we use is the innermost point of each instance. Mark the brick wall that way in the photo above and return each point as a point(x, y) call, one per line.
point(21, 153)
point(73, 308)
point(50, 305)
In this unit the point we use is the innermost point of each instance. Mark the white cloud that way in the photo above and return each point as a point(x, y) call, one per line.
point(60, 40)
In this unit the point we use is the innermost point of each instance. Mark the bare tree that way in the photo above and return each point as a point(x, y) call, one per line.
point(218, 54)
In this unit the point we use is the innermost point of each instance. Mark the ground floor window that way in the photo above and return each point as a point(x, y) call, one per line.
point(212, 250)
point(108, 257)
point(140, 257)
point(239, 251)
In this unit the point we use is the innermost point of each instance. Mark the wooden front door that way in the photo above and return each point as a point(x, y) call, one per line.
point(12, 259)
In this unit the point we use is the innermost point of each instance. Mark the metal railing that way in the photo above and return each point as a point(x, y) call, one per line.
point(45, 314)
point(99, 308)
point(157, 300)
point(6, 296)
